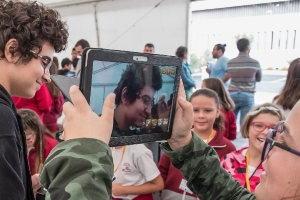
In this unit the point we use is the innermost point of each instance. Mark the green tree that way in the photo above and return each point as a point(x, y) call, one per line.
point(244, 35)
point(195, 63)
point(198, 63)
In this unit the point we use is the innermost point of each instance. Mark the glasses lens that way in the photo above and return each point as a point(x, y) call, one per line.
point(259, 127)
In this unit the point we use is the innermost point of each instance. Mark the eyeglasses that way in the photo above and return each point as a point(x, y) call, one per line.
point(270, 143)
point(46, 61)
point(260, 127)
point(147, 101)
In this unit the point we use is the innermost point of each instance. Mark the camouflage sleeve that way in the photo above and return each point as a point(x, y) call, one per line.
point(78, 169)
point(200, 165)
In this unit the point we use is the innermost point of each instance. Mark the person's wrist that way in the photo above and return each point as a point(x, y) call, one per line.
point(177, 143)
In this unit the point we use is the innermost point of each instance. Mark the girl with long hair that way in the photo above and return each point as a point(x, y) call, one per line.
point(208, 125)
point(38, 140)
point(290, 93)
point(227, 104)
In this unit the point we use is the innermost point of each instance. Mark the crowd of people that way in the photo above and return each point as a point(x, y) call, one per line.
point(199, 161)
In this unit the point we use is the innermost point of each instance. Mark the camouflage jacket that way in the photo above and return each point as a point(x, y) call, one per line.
point(200, 165)
point(78, 169)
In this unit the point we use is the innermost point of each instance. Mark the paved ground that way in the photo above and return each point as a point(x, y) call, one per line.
point(271, 84)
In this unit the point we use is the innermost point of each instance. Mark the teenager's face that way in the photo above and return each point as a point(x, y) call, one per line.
point(139, 111)
point(205, 113)
point(256, 137)
point(282, 178)
point(30, 76)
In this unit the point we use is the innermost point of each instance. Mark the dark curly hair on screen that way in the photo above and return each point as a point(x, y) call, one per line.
point(31, 24)
point(135, 77)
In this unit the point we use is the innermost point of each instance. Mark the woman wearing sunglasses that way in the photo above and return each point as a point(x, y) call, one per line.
point(208, 180)
point(245, 165)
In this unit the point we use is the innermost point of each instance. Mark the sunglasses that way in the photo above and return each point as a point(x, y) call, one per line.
point(270, 143)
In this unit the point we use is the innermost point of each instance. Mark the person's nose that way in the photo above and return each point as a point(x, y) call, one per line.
point(201, 114)
point(46, 77)
point(265, 132)
point(148, 109)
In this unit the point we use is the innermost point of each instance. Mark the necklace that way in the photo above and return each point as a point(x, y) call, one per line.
point(124, 149)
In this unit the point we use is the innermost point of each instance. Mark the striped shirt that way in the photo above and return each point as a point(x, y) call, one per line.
point(244, 73)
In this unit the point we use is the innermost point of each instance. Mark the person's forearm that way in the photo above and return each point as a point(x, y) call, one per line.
point(226, 78)
point(76, 167)
point(200, 165)
point(146, 188)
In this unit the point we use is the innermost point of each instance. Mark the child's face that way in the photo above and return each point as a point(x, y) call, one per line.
point(28, 77)
point(205, 113)
point(257, 134)
point(30, 137)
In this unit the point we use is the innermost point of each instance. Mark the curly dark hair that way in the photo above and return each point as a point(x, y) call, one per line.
point(31, 24)
point(135, 77)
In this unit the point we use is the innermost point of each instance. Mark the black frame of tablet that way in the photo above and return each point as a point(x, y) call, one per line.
point(127, 57)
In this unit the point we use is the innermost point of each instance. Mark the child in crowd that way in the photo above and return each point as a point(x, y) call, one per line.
point(39, 142)
point(217, 85)
point(137, 176)
point(50, 118)
point(245, 164)
point(208, 125)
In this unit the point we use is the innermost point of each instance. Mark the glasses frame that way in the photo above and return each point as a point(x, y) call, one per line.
point(142, 97)
point(48, 62)
point(266, 126)
point(270, 143)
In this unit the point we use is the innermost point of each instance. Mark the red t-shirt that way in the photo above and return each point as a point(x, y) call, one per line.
point(41, 102)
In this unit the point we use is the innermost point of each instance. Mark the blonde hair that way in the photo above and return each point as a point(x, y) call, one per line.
point(266, 108)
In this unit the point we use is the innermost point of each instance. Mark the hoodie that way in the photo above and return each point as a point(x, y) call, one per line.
point(15, 176)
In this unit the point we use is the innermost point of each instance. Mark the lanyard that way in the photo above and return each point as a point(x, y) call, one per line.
point(247, 172)
point(124, 149)
point(210, 136)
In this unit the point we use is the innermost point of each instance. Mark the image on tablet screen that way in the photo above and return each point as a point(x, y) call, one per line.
point(144, 95)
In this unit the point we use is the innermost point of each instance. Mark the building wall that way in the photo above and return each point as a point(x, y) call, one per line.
point(276, 36)
point(127, 24)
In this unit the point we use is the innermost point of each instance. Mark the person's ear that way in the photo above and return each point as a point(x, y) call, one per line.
point(10, 51)
point(123, 98)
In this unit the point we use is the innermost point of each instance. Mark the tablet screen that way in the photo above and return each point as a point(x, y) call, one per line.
point(144, 95)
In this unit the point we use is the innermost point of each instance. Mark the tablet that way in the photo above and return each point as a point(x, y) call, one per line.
point(146, 87)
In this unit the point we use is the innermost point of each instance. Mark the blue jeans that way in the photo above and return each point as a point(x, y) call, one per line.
point(244, 102)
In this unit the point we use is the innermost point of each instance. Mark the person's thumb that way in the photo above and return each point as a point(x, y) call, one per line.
point(108, 110)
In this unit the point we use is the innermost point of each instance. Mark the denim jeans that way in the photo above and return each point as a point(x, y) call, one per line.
point(244, 102)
